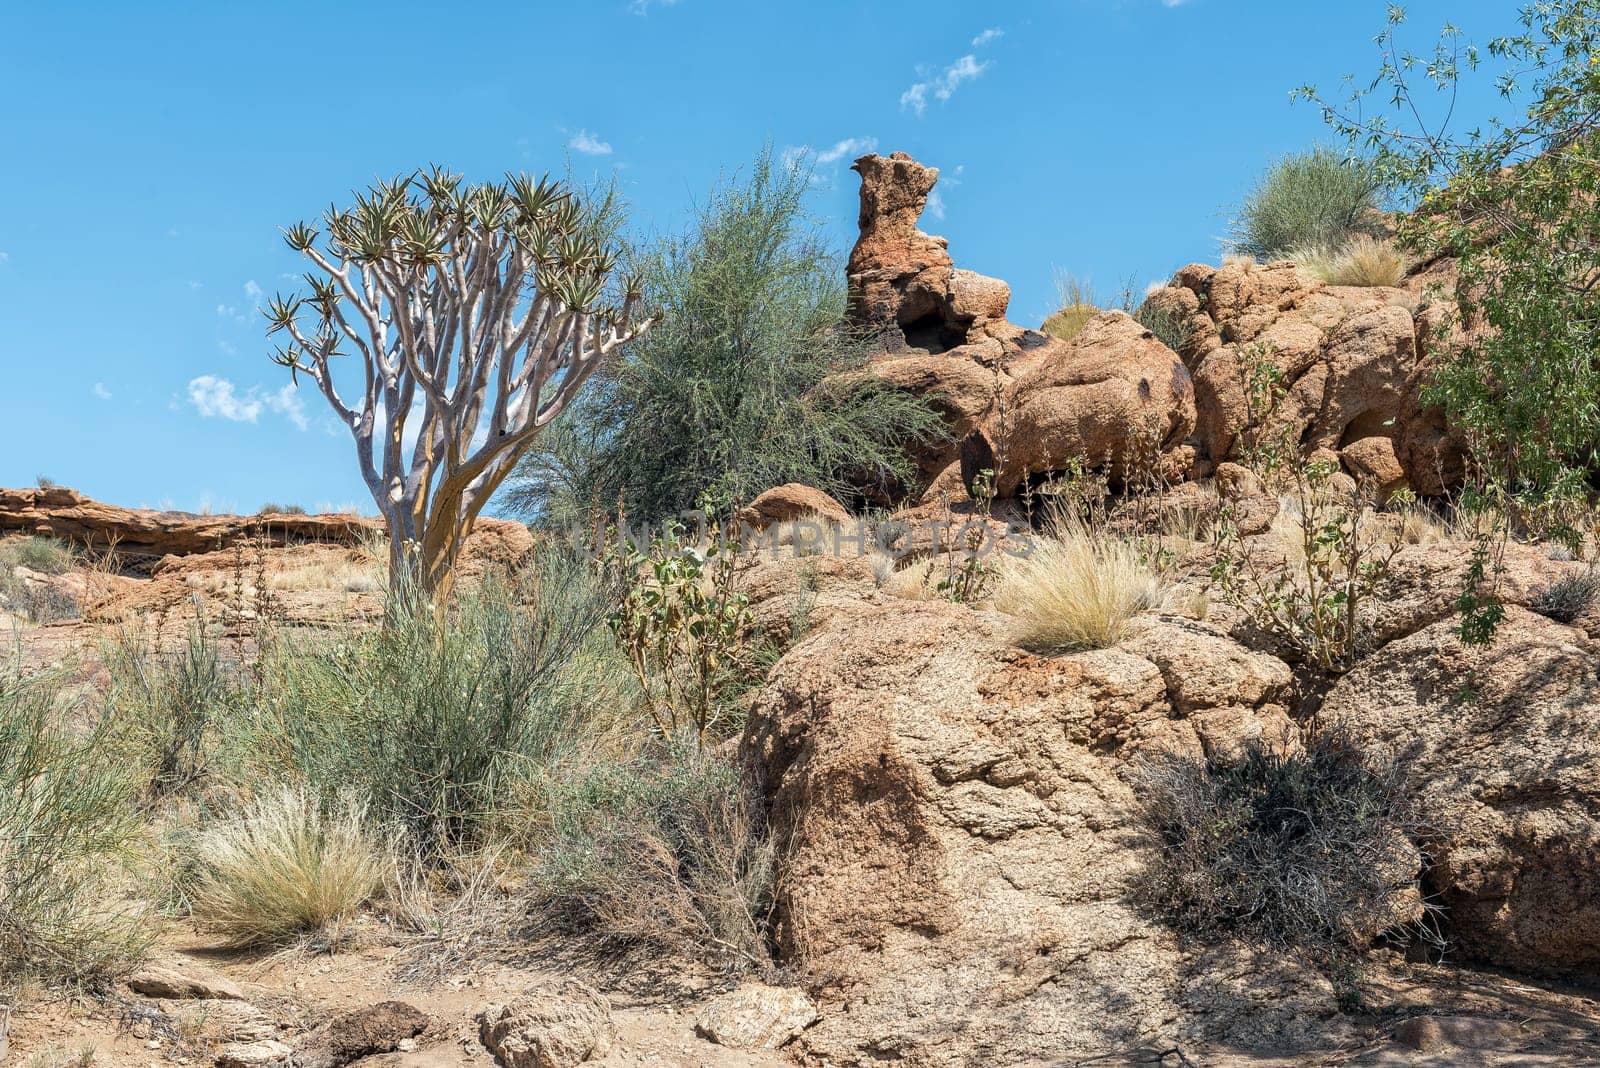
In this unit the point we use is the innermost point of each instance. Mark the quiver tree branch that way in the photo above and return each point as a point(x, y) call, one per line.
point(474, 314)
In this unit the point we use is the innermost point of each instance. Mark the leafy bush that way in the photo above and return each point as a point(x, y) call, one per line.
point(681, 624)
point(1317, 198)
point(672, 857)
point(1077, 589)
point(727, 395)
point(66, 819)
point(431, 717)
point(1567, 599)
point(1306, 849)
point(284, 867)
point(1362, 261)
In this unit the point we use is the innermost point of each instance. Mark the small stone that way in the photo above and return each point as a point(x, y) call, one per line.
point(756, 1016)
point(253, 1054)
point(549, 1029)
point(171, 983)
point(353, 1035)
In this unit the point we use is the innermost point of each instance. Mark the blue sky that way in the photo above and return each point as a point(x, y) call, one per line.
point(152, 150)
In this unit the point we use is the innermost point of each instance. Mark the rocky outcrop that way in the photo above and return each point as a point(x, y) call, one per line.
point(1034, 402)
point(959, 841)
point(58, 512)
point(755, 1016)
point(1351, 362)
point(1502, 749)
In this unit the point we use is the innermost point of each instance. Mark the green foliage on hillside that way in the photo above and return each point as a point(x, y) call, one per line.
point(727, 395)
point(1512, 202)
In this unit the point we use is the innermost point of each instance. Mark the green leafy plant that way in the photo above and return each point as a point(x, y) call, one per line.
point(1316, 592)
point(681, 623)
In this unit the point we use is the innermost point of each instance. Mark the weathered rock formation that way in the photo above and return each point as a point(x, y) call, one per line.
point(58, 512)
point(1352, 362)
point(960, 842)
point(1034, 402)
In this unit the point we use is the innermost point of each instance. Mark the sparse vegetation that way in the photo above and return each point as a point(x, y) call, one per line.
point(1363, 260)
point(1077, 305)
point(66, 822)
point(1303, 849)
point(1077, 589)
point(674, 857)
point(1567, 599)
point(41, 602)
point(286, 866)
point(1321, 199)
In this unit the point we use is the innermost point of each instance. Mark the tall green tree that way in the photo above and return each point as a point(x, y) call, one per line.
point(735, 389)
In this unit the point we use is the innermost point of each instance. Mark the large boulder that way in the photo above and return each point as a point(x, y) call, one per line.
point(959, 842)
point(1350, 359)
point(1111, 396)
point(1502, 747)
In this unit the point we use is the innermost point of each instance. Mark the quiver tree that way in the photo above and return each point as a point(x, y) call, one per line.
point(474, 313)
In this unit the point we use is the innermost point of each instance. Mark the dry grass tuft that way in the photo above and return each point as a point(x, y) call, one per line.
point(285, 867)
point(1077, 590)
point(1362, 261)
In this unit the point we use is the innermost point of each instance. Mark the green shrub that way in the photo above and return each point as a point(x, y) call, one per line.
point(165, 708)
point(286, 866)
point(1315, 198)
point(1300, 850)
point(432, 717)
point(740, 386)
point(44, 555)
point(66, 819)
point(671, 857)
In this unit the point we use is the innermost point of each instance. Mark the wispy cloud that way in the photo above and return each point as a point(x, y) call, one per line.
point(4, 257)
point(590, 145)
point(850, 146)
point(642, 7)
point(99, 389)
point(943, 85)
point(994, 33)
point(252, 290)
point(218, 398)
point(949, 179)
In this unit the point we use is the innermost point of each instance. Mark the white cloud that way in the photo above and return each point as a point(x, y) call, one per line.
point(218, 398)
point(287, 403)
point(642, 7)
point(99, 389)
point(215, 398)
point(590, 145)
point(943, 85)
point(4, 257)
point(994, 33)
point(252, 290)
point(935, 204)
point(850, 146)
point(196, 285)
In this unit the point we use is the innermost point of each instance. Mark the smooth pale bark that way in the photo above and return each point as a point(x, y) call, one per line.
point(461, 346)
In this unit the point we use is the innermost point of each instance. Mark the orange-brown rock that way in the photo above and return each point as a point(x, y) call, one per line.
point(1500, 747)
point(790, 501)
point(959, 843)
point(62, 513)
